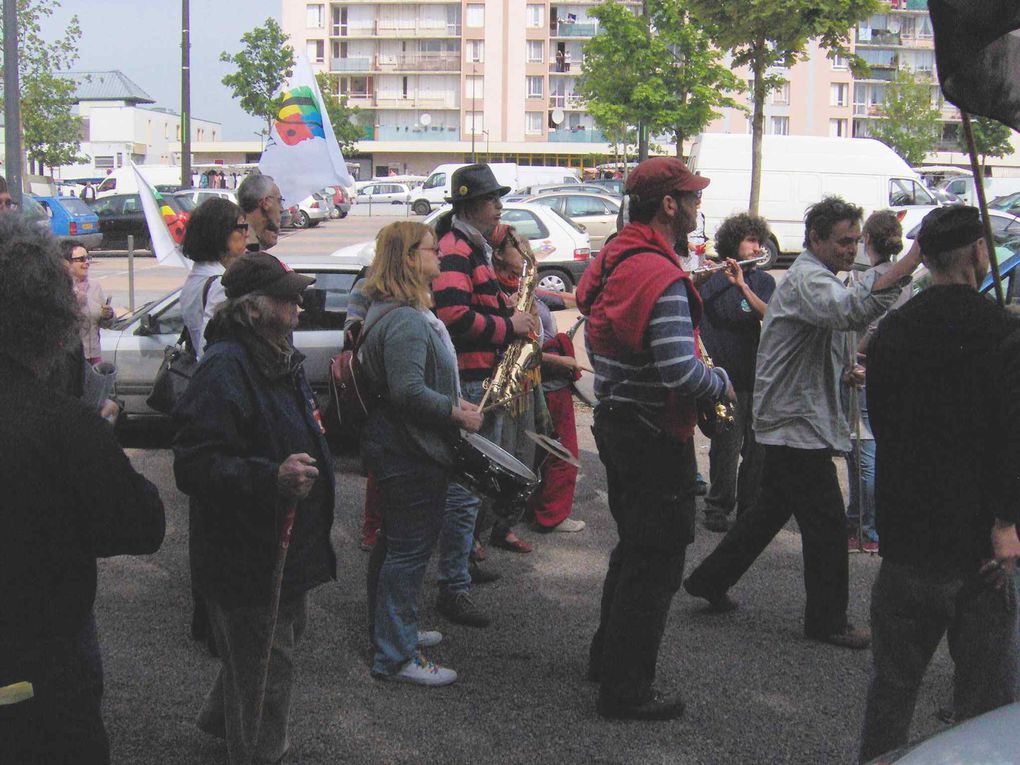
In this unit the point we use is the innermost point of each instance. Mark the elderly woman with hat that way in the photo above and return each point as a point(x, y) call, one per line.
point(482, 322)
point(250, 447)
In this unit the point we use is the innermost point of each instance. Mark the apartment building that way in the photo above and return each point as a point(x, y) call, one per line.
point(445, 81)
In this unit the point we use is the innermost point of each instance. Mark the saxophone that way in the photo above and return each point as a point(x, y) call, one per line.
point(717, 418)
point(523, 355)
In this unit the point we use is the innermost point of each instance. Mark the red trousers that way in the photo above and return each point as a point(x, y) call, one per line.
point(553, 500)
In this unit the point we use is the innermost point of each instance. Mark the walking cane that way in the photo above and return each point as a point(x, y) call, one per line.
point(274, 610)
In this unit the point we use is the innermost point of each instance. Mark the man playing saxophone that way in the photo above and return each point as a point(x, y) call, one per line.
point(643, 313)
point(482, 322)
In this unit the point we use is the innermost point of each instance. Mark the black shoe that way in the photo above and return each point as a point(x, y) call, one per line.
point(480, 575)
point(461, 609)
point(658, 707)
point(716, 521)
point(851, 637)
point(719, 602)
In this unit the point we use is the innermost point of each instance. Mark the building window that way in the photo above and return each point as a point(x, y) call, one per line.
point(781, 95)
point(104, 162)
point(315, 16)
point(837, 128)
point(536, 51)
point(476, 51)
point(533, 123)
point(840, 62)
point(474, 88)
point(475, 16)
point(779, 125)
point(839, 94)
point(536, 16)
point(316, 50)
point(536, 87)
point(473, 123)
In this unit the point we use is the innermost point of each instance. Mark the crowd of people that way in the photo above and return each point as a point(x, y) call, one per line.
point(443, 313)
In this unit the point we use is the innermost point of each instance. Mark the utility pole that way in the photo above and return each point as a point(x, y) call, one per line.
point(12, 102)
point(474, 114)
point(185, 94)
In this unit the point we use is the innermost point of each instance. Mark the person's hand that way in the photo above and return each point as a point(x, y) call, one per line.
point(567, 362)
point(296, 476)
point(110, 411)
point(998, 571)
point(467, 416)
point(731, 395)
point(854, 376)
point(106, 312)
point(734, 273)
point(524, 323)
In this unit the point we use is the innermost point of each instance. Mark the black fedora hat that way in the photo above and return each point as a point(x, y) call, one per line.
point(473, 181)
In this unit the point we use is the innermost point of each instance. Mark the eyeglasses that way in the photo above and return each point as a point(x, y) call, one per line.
point(240, 227)
point(81, 259)
point(278, 199)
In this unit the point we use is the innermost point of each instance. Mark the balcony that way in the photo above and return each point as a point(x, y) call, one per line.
point(881, 37)
point(566, 101)
point(573, 29)
point(577, 135)
point(400, 102)
point(351, 65)
point(420, 62)
point(389, 31)
point(417, 133)
point(565, 67)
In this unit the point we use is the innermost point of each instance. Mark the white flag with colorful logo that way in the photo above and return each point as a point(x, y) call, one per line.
point(166, 228)
point(302, 154)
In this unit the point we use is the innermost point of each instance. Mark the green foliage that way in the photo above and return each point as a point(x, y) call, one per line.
point(51, 134)
point(263, 65)
point(341, 116)
point(658, 70)
point(991, 138)
point(910, 123)
point(761, 34)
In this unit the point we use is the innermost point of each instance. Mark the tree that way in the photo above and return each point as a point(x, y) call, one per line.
point(991, 138)
point(775, 33)
point(51, 132)
point(657, 70)
point(263, 65)
point(910, 121)
point(342, 117)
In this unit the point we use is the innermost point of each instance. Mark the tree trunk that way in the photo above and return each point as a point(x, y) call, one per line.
point(642, 142)
point(679, 137)
point(757, 124)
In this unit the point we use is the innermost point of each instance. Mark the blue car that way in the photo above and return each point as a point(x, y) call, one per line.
point(70, 218)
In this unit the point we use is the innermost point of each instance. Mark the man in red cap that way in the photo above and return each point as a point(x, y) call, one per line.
point(643, 314)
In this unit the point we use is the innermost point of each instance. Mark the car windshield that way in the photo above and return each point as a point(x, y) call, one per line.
point(75, 206)
point(31, 208)
point(1006, 202)
point(186, 202)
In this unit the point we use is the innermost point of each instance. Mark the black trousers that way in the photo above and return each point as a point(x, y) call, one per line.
point(801, 483)
point(651, 496)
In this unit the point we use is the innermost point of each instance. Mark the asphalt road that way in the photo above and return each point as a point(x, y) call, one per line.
point(757, 691)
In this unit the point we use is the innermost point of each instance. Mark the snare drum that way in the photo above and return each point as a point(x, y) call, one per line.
point(492, 471)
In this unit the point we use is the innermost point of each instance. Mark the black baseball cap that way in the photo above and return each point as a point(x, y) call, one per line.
point(262, 273)
point(946, 228)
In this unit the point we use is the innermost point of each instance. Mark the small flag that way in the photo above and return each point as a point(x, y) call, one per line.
point(977, 52)
point(302, 154)
point(166, 250)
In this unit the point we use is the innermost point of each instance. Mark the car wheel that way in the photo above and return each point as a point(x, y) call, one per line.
point(554, 280)
point(773, 251)
point(421, 207)
point(342, 215)
point(301, 220)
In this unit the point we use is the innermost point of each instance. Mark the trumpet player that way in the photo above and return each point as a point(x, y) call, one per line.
point(735, 300)
point(642, 312)
point(799, 419)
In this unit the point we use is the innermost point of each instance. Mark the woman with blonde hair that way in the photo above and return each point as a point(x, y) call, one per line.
point(408, 356)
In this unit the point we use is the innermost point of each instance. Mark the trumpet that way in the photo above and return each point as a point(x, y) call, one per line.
point(709, 269)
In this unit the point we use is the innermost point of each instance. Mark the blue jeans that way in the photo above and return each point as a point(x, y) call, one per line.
point(457, 536)
point(413, 495)
point(860, 516)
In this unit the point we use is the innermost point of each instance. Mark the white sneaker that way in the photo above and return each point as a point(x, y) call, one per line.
point(568, 526)
point(421, 671)
point(429, 638)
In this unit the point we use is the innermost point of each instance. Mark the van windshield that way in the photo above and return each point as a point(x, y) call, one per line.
point(436, 180)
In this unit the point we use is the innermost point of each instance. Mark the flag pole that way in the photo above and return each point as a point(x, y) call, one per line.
point(979, 185)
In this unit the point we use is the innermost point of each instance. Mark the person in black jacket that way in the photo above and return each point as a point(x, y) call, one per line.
point(943, 379)
point(70, 496)
point(250, 445)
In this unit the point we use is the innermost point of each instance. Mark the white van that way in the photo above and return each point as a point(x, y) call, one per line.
point(965, 190)
point(798, 171)
point(436, 188)
point(122, 180)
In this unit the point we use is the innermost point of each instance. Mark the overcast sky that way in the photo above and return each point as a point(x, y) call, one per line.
point(142, 38)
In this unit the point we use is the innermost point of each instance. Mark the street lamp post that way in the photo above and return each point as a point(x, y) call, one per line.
point(474, 85)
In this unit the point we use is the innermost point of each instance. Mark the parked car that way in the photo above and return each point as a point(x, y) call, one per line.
point(612, 186)
point(382, 192)
point(341, 201)
point(561, 247)
point(70, 218)
point(135, 342)
point(597, 213)
point(1009, 203)
point(34, 212)
point(1005, 226)
point(576, 188)
point(189, 199)
point(312, 210)
point(122, 214)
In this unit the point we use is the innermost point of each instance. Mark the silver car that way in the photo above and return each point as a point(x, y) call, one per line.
point(135, 343)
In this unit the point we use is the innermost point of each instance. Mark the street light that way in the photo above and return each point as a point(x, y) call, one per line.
point(474, 114)
point(486, 134)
